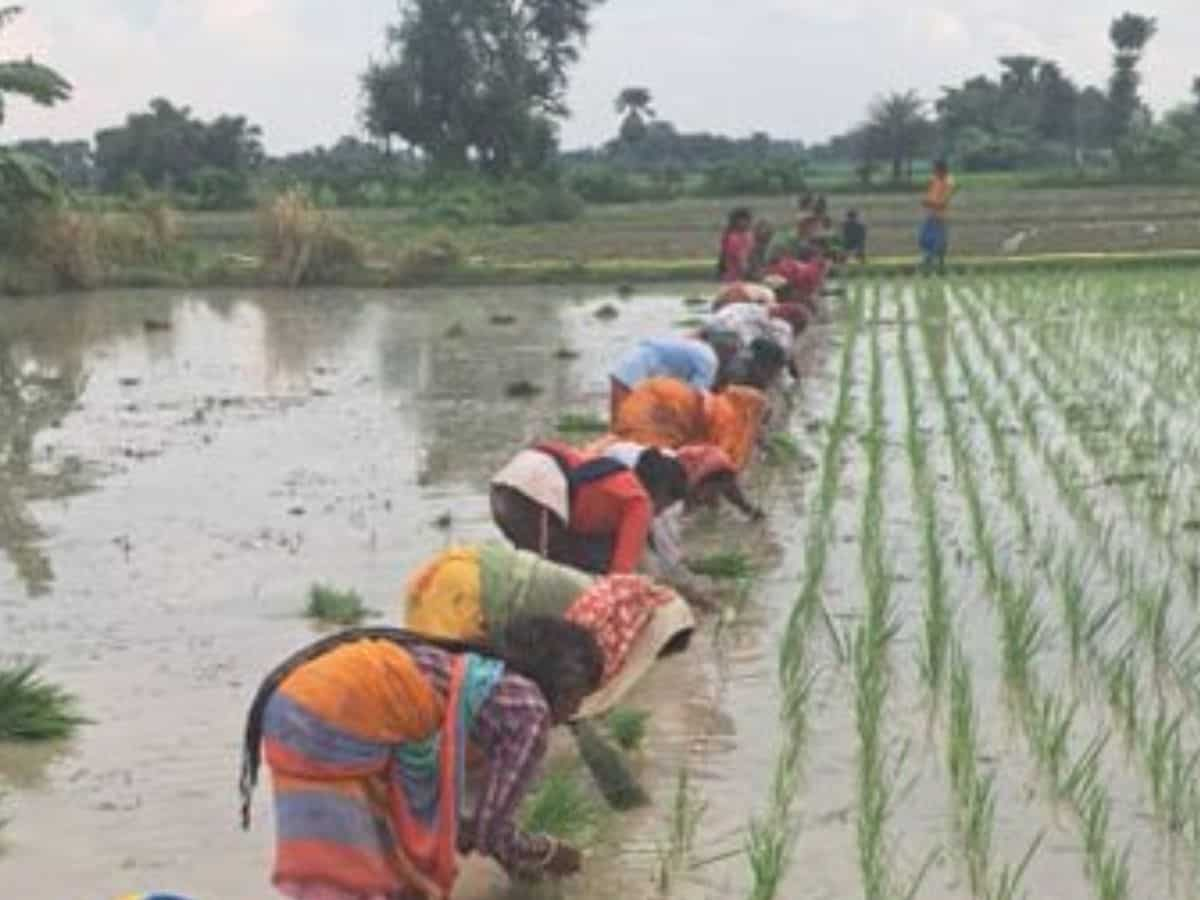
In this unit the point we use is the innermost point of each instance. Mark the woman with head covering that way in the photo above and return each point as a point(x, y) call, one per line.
point(663, 412)
point(590, 512)
point(737, 243)
point(469, 593)
point(758, 366)
point(696, 361)
point(752, 321)
point(365, 734)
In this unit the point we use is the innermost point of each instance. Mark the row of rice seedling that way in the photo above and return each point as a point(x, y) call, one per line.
point(1022, 638)
point(1157, 744)
point(772, 834)
point(1151, 600)
point(942, 658)
point(870, 648)
point(937, 620)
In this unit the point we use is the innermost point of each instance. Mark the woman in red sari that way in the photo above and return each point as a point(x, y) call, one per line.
point(737, 243)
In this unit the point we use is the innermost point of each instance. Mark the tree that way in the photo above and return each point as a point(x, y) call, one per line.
point(26, 78)
point(27, 183)
point(1196, 91)
point(899, 125)
point(169, 148)
point(479, 81)
point(1129, 35)
point(635, 104)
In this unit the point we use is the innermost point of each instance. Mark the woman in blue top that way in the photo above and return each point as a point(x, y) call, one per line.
point(690, 360)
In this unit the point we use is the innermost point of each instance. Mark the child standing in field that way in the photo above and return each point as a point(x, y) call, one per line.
point(935, 233)
point(854, 237)
point(737, 243)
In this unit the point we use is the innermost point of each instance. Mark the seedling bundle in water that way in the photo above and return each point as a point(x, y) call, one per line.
point(581, 423)
point(32, 709)
point(733, 565)
point(332, 606)
point(628, 726)
point(561, 807)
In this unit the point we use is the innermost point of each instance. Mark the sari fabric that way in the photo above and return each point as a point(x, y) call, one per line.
point(666, 413)
point(367, 763)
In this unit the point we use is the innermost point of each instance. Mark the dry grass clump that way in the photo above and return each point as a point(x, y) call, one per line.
point(67, 243)
point(430, 257)
point(301, 244)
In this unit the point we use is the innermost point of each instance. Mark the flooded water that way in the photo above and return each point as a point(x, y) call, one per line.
point(177, 470)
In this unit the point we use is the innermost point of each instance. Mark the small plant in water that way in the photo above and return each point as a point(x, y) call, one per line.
point(32, 709)
point(628, 726)
point(581, 423)
point(332, 606)
point(686, 812)
point(562, 808)
point(734, 565)
point(782, 449)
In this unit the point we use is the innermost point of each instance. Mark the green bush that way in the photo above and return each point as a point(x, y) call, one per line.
point(428, 258)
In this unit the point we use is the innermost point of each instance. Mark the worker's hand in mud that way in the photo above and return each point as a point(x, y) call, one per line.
point(565, 862)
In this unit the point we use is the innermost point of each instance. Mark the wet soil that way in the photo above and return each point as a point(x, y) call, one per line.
point(168, 494)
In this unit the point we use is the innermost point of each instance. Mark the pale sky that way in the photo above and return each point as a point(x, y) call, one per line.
point(796, 68)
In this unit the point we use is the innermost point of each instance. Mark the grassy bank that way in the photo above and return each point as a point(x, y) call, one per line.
point(636, 243)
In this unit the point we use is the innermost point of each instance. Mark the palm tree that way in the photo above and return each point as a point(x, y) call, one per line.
point(1131, 33)
point(634, 103)
point(28, 79)
point(899, 125)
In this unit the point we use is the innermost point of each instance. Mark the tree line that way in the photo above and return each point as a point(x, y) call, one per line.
point(1032, 115)
point(476, 89)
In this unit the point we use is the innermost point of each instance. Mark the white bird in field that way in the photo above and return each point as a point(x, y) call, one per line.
point(1013, 244)
point(1149, 230)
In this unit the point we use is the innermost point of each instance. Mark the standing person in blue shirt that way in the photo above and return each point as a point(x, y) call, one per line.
point(697, 362)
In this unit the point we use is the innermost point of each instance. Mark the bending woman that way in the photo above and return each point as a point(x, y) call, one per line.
point(666, 413)
point(593, 513)
point(470, 593)
point(697, 362)
point(365, 734)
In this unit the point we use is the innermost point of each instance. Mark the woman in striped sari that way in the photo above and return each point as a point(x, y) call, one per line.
point(365, 735)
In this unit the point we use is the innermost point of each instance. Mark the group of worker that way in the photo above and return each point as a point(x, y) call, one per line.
point(395, 751)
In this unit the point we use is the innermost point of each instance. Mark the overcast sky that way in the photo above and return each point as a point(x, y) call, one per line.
point(796, 68)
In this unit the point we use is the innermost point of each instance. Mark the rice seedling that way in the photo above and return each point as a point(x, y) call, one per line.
point(33, 709)
point(728, 565)
point(561, 808)
point(782, 449)
point(333, 606)
point(689, 322)
point(628, 726)
point(685, 815)
point(581, 423)
point(1008, 883)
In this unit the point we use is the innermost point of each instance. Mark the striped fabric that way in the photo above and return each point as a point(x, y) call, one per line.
point(367, 766)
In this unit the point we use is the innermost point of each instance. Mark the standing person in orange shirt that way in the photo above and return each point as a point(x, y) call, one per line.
point(935, 232)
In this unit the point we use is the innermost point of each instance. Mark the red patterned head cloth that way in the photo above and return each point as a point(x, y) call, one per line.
point(703, 461)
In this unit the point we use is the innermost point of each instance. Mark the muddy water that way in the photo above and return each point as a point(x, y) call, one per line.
point(176, 470)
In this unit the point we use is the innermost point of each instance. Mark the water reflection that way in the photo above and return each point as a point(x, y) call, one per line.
point(455, 357)
point(41, 380)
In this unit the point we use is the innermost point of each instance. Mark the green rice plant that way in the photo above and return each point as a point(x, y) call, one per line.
point(1023, 633)
point(332, 606)
point(689, 322)
point(1157, 751)
point(1081, 781)
point(581, 423)
point(1050, 729)
point(1008, 883)
point(33, 709)
point(561, 808)
point(628, 726)
point(782, 449)
point(732, 565)
point(685, 815)
point(1120, 677)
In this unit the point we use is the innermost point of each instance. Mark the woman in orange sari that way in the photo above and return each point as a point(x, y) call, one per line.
point(365, 735)
point(663, 412)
